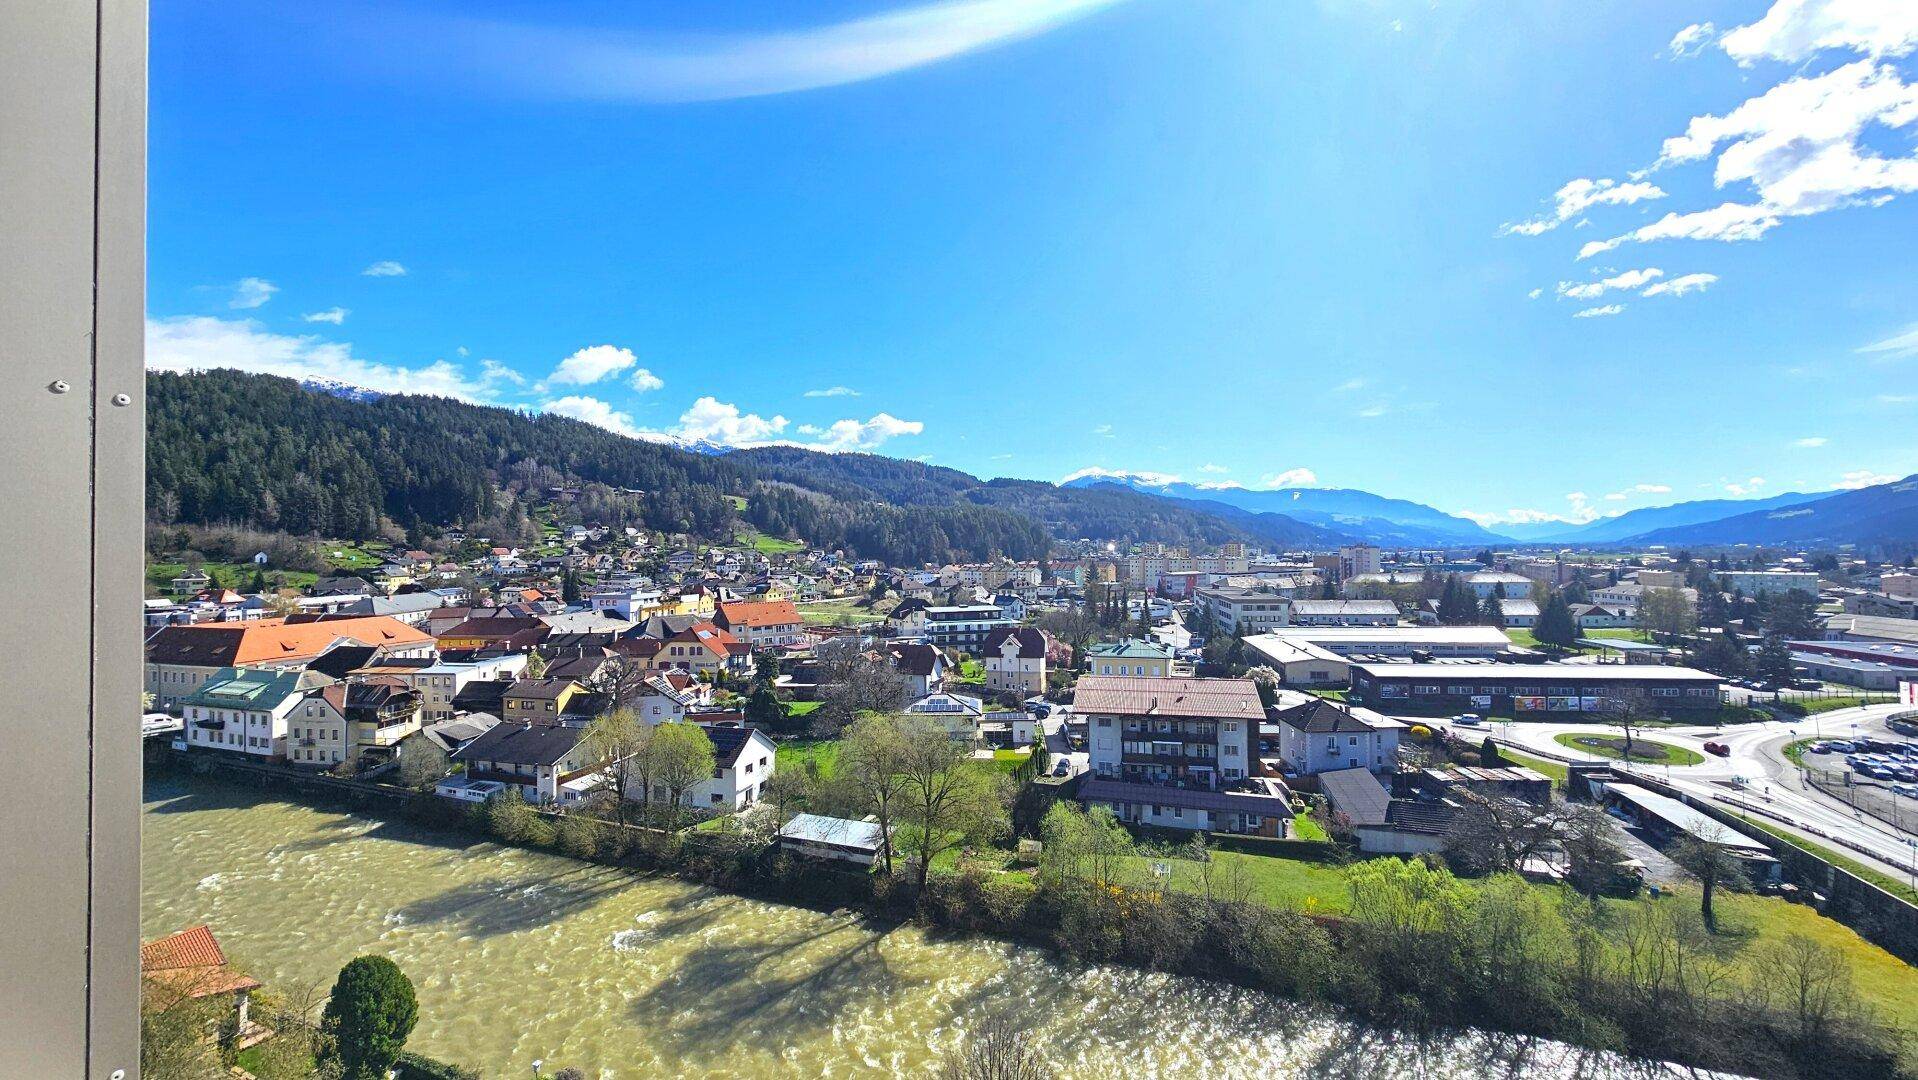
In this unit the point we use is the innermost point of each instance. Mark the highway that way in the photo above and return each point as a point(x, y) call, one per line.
point(1755, 780)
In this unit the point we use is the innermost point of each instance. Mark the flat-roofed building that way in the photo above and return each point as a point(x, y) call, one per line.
point(1344, 613)
point(1320, 656)
point(1768, 582)
point(1255, 610)
point(1533, 688)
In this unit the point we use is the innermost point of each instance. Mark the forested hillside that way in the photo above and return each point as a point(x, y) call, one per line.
point(229, 448)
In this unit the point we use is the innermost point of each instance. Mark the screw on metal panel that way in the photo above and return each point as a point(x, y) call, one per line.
point(123, 399)
point(119, 1074)
point(59, 386)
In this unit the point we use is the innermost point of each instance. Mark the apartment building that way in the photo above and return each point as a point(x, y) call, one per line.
point(1321, 736)
point(1767, 582)
point(1182, 732)
point(760, 624)
point(1131, 658)
point(1015, 659)
point(180, 658)
point(344, 721)
point(243, 710)
point(1257, 610)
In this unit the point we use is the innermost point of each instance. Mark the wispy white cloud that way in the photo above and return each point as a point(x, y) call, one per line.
point(1742, 488)
point(1592, 290)
point(596, 63)
point(251, 292)
point(1577, 196)
point(334, 315)
point(1211, 468)
point(1598, 312)
point(1691, 40)
point(202, 343)
point(1810, 442)
point(833, 391)
point(1901, 344)
point(1795, 30)
point(1682, 285)
point(1350, 385)
point(385, 268)
point(1104, 431)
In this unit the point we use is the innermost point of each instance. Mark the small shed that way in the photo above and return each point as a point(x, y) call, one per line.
point(824, 837)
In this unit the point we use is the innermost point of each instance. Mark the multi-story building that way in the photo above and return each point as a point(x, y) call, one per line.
point(960, 626)
point(1322, 656)
point(1534, 688)
point(243, 710)
point(548, 763)
point(180, 658)
point(1256, 610)
point(1344, 613)
point(760, 624)
point(1901, 584)
point(1488, 582)
point(1356, 559)
point(1768, 582)
point(1882, 605)
point(440, 681)
point(1182, 732)
point(1131, 658)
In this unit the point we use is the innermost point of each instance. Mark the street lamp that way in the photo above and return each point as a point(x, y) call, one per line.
point(536, 1065)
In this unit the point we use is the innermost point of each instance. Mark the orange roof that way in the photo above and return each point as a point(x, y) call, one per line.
point(266, 641)
point(528, 596)
point(194, 947)
point(760, 613)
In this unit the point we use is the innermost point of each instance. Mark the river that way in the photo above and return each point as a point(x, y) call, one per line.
point(520, 956)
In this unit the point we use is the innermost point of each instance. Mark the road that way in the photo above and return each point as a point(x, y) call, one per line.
point(1755, 780)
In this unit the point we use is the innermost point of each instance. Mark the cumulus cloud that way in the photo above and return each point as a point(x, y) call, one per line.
point(201, 343)
point(1299, 477)
point(1903, 343)
point(498, 372)
point(596, 412)
point(644, 382)
point(1864, 478)
point(1810, 442)
point(1745, 487)
point(833, 391)
point(1638, 489)
point(1577, 196)
point(1681, 285)
point(591, 364)
point(1592, 290)
point(251, 292)
point(385, 268)
point(1795, 30)
point(1598, 312)
point(1691, 40)
point(866, 434)
point(334, 315)
point(712, 420)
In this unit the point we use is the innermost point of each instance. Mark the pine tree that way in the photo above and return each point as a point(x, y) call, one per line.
point(1556, 627)
point(1773, 662)
point(1492, 611)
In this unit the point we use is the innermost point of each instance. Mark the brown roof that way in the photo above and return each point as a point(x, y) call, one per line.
point(272, 640)
point(1130, 696)
point(1032, 641)
point(758, 613)
point(503, 626)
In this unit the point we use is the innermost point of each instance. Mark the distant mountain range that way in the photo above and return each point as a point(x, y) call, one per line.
point(1358, 514)
point(199, 471)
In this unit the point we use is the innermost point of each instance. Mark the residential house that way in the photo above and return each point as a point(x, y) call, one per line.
point(923, 665)
point(1319, 736)
point(951, 626)
point(547, 762)
point(344, 722)
point(1015, 660)
point(190, 965)
point(411, 608)
point(743, 760)
point(450, 735)
point(516, 633)
point(243, 710)
point(538, 701)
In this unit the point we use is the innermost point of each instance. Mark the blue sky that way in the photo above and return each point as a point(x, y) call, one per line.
point(1514, 260)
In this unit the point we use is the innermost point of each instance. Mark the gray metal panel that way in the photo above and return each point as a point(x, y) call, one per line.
point(71, 303)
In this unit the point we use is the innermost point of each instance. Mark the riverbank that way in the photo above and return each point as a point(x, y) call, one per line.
point(1231, 941)
point(520, 955)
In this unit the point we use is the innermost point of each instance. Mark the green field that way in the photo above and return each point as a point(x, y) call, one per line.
point(350, 556)
point(1293, 884)
point(238, 576)
point(1305, 828)
point(845, 612)
point(1643, 750)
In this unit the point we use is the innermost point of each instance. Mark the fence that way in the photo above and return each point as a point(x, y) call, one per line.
point(1866, 795)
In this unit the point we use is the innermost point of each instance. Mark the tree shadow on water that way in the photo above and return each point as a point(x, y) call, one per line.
point(495, 906)
point(767, 991)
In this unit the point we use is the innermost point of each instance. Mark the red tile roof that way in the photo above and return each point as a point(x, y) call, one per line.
point(758, 613)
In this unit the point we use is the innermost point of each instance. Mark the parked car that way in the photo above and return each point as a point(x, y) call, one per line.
point(1820, 748)
point(1468, 720)
point(1718, 748)
point(1064, 768)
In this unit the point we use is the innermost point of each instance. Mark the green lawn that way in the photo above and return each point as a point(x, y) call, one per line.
point(1888, 983)
point(1550, 768)
point(1643, 750)
point(770, 545)
point(798, 709)
point(347, 555)
point(1279, 882)
point(795, 753)
point(845, 612)
point(1823, 705)
point(1304, 827)
point(972, 671)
